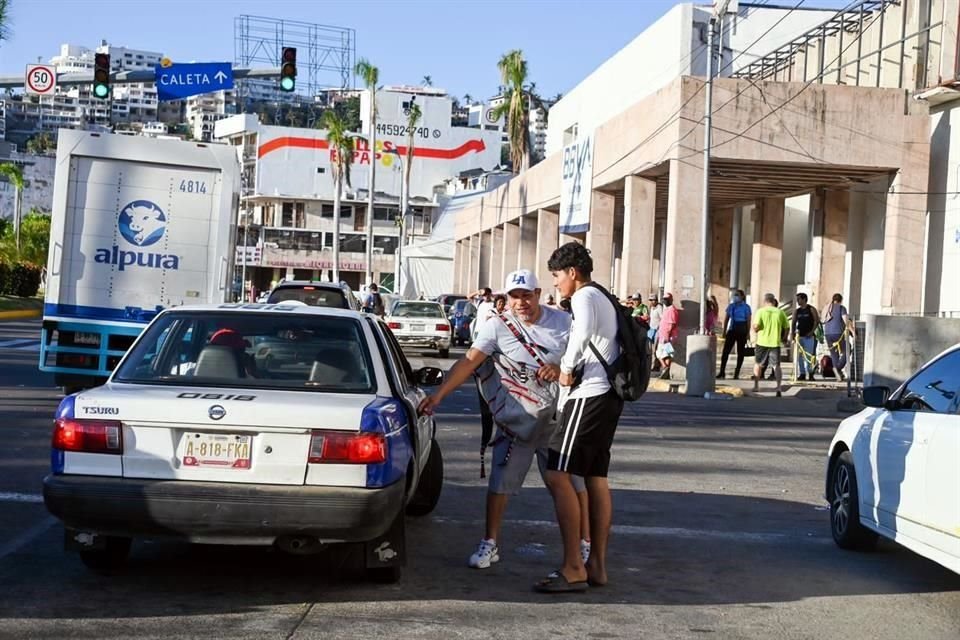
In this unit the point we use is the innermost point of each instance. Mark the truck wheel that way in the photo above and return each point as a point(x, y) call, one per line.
point(110, 559)
point(428, 491)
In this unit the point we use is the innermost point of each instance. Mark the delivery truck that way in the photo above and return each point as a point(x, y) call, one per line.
point(138, 224)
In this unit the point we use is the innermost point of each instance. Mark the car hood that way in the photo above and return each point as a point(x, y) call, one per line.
point(240, 407)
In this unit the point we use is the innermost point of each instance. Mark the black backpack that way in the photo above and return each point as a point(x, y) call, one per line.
point(629, 374)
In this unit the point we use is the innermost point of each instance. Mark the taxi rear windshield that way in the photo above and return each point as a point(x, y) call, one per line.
point(262, 350)
point(312, 296)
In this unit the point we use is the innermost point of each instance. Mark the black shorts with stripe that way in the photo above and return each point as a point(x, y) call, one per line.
point(581, 445)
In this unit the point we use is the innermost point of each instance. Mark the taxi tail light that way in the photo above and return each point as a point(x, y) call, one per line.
point(443, 327)
point(88, 436)
point(341, 447)
point(393, 325)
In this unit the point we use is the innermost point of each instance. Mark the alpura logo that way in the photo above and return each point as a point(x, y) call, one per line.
point(141, 223)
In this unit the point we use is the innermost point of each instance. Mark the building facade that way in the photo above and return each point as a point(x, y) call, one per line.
point(288, 190)
point(814, 186)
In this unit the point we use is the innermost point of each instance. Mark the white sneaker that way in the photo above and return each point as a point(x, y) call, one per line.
point(585, 550)
point(487, 553)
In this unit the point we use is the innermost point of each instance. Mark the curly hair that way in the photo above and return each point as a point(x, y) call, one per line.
point(572, 254)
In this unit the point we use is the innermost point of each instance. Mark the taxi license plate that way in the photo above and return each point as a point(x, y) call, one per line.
point(221, 450)
point(416, 327)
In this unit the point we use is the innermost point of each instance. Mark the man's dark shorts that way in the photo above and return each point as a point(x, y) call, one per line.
point(581, 445)
point(767, 356)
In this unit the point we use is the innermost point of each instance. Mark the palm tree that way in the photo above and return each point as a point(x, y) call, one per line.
point(413, 118)
point(428, 81)
point(341, 155)
point(468, 99)
point(4, 20)
point(370, 76)
point(515, 107)
point(14, 175)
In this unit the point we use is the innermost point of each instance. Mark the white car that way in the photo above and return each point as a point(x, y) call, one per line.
point(894, 468)
point(420, 324)
point(259, 424)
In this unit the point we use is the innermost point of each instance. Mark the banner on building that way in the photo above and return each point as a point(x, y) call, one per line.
point(576, 186)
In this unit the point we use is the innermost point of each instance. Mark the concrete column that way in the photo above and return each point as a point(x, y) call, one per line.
point(636, 258)
point(473, 265)
point(826, 260)
point(682, 269)
point(483, 270)
point(548, 239)
point(682, 273)
point(527, 248)
point(462, 265)
point(765, 267)
point(600, 237)
point(495, 277)
point(904, 241)
point(721, 247)
point(511, 248)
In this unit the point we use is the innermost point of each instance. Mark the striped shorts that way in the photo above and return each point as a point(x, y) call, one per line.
point(581, 445)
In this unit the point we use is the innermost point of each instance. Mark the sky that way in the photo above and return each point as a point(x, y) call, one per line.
point(455, 42)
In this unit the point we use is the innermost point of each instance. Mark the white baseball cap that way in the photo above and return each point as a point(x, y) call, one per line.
point(521, 279)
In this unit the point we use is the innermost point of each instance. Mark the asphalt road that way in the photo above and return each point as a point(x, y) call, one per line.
point(720, 531)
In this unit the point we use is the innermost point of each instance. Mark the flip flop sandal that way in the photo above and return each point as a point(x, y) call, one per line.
point(557, 583)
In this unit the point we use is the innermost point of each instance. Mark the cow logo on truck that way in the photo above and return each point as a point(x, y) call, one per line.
point(142, 223)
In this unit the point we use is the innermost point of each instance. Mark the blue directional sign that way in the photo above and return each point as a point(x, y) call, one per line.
point(183, 80)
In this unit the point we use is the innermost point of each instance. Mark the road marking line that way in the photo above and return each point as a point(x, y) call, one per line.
point(26, 537)
point(672, 532)
point(22, 343)
point(7, 496)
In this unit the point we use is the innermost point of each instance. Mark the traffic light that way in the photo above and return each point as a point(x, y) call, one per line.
point(288, 69)
point(101, 75)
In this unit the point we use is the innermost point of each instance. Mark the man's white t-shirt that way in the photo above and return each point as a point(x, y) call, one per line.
point(485, 311)
point(549, 334)
point(594, 320)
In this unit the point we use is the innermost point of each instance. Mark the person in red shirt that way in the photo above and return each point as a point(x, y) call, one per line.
point(667, 334)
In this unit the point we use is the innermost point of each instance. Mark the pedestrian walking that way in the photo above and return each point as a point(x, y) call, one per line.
point(589, 419)
point(837, 327)
point(518, 353)
point(736, 330)
point(803, 329)
point(640, 310)
point(667, 335)
point(771, 326)
point(499, 303)
point(373, 301)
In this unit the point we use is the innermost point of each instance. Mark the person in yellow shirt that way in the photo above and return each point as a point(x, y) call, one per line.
point(771, 326)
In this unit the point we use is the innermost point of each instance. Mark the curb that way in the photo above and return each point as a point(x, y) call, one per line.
point(679, 386)
point(21, 314)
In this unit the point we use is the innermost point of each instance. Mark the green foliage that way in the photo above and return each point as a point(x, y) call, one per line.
point(349, 112)
point(20, 279)
point(516, 108)
point(13, 173)
point(340, 143)
point(34, 241)
point(4, 20)
point(41, 143)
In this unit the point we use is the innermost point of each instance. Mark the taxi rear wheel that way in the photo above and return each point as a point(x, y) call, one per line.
point(110, 559)
point(431, 484)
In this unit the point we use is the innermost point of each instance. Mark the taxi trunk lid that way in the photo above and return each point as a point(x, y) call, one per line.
point(219, 435)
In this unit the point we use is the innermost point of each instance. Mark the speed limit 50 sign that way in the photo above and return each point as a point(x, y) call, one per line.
point(41, 79)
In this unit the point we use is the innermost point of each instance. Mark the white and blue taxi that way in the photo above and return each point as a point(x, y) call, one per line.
point(261, 424)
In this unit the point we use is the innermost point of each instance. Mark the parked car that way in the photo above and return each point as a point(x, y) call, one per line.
point(315, 294)
point(446, 300)
point(461, 317)
point(894, 468)
point(198, 435)
point(420, 324)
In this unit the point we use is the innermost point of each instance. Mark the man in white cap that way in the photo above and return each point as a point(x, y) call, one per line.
point(528, 340)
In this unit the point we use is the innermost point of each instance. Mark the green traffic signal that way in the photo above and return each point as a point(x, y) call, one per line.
point(100, 90)
point(287, 84)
